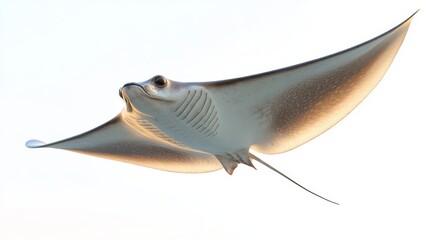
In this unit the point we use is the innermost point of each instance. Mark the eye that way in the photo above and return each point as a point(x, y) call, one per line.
point(159, 81)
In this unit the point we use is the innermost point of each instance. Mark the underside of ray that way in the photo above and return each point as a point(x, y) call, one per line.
point(288, 178)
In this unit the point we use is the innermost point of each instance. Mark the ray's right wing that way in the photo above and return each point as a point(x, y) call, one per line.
point(288, 107)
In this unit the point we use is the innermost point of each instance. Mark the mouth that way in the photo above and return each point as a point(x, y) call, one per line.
point(134, 85)
point(129, 91)
point(124, 96)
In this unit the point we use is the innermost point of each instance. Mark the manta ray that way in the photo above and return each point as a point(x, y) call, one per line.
point(206, 126)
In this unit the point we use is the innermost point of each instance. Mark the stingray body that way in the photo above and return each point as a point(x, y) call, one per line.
point(206, 126)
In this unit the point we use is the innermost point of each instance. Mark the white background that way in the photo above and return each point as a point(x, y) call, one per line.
point(62, 63)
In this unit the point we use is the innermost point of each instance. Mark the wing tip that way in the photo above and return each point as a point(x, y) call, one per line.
point(410, 18)
point(34, 143)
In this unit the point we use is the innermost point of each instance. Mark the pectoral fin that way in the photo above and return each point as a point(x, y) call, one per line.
point(117, 141)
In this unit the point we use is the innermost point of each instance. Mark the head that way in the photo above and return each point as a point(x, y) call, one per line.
point(152, 98)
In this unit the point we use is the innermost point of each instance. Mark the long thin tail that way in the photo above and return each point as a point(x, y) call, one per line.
point(299, 185)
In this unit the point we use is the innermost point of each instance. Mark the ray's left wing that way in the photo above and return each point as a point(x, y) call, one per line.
point(117, 141)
